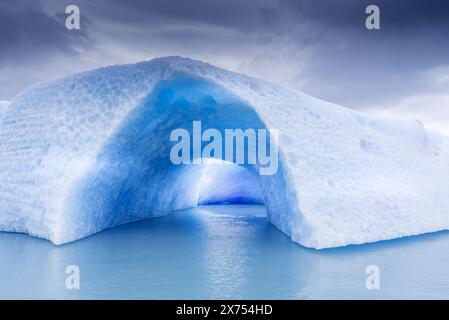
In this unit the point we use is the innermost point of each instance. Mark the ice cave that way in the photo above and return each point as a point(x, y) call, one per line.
point(92, 151)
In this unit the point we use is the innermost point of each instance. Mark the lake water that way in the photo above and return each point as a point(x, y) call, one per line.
point(219, 252)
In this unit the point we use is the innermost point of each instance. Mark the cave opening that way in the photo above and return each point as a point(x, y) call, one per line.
point(135, 178)
point(225, 183)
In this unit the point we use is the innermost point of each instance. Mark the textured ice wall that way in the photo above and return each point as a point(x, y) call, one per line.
point(90, 151)
point(3, 106)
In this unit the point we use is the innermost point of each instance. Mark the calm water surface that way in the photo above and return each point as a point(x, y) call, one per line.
point(215, 252)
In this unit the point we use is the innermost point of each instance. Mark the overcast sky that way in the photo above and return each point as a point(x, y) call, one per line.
point(318, 46)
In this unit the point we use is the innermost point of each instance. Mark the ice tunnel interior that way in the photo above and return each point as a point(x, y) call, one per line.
point(134, 178)
point(223, 182)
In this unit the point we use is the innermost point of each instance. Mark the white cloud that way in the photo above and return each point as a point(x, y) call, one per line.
point(432, 110)
point(430, 107)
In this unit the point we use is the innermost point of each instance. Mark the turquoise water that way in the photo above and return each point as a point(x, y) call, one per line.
point(219, 252)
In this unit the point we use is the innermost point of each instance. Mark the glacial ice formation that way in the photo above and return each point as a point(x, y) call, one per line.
point(91, 151)
point(3, 106)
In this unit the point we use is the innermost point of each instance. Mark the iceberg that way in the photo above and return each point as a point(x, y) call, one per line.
point(91, 151)
point(3, 106)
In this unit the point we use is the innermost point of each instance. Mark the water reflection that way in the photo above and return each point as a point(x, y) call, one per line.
point(218, 252)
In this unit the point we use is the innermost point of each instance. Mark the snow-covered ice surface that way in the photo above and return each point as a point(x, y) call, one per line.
point(3, 106)
point(91, 151)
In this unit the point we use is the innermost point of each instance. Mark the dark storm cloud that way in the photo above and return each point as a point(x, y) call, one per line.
point(348, 62)
point(35, 45)
point(357, 67)
point(234, 14)
point(319, 46)
point(395, 14)
point(180, 24)
point(28, 33)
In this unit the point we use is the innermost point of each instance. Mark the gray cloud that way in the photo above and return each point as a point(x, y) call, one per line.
point(321, 47)
point(28, 33)
point(33, 44)
point(361, 68)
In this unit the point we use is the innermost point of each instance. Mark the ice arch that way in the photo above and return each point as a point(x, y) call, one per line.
point(134, 177)
point(89, 152)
